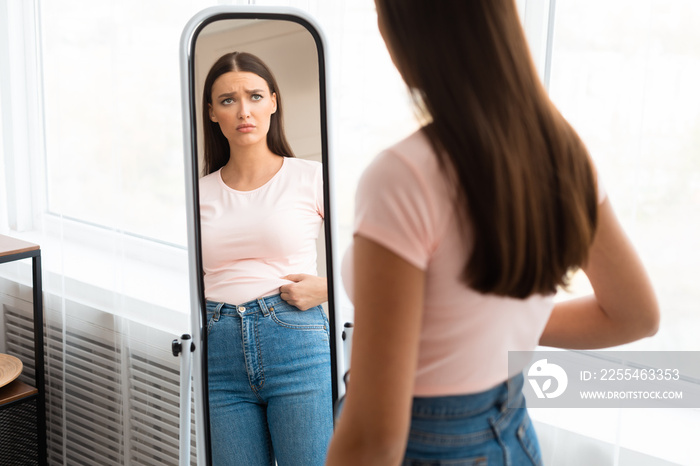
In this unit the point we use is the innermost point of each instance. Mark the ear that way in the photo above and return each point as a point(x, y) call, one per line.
point(211, 114)
point(274, 102)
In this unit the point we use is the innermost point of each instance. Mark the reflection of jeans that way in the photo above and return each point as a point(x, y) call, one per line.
point(475, 429)
point(269, 383)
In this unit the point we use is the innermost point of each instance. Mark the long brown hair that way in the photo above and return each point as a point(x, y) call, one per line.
point(216, 147)
point(527, 185)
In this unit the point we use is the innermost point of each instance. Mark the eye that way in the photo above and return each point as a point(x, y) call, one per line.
point(227, 101)
point(256, 97)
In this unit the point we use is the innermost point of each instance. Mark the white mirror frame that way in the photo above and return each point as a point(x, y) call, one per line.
point(187, 42)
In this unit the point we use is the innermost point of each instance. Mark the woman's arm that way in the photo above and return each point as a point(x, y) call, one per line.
point(623, 307)
point(388, 292)
point(306, 291)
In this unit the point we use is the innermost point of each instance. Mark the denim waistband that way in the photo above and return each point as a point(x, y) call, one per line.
point(263, 305)
point(504, 395)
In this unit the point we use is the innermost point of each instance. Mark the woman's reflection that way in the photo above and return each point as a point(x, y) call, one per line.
point(268, 337)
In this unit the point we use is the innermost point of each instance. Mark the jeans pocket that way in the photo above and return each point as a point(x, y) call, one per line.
point(288, 316)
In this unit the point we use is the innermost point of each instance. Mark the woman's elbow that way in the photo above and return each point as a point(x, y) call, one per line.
point(653, 321)
point(647, 321)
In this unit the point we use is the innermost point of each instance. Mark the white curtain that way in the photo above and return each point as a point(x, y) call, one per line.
point(92, 171)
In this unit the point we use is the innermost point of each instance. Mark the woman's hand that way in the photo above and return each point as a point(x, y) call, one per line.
point(306, 292)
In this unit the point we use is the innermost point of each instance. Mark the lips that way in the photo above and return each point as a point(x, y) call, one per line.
point(245, 128)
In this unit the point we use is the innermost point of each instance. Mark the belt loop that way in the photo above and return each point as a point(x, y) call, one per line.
point(514, 386)
point(507, 403)
point(263, 307)
point(217, 312)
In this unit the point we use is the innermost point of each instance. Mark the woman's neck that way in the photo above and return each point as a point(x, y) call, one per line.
point(249, 169)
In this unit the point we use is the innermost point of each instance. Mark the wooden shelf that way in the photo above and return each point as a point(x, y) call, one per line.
point(15, 394)
point(16, 390)
point(9, 245)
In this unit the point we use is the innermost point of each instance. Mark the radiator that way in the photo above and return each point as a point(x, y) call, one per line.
point(120, 405)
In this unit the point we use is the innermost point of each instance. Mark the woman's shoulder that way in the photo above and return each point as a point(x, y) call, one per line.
point(413, 153)
point(209, 182)
point(416, 143)
point(299, 168)
point(297, 163)
point(210, 178)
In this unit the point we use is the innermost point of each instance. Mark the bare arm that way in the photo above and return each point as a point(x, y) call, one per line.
point(623, 307)
point(373, 426)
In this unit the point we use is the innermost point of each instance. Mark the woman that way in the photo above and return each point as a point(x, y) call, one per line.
point(268, 337)
point(463, 232)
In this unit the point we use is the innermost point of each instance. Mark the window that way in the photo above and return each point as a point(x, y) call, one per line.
point(625, 74)
point(114, 150)
point(92, 150)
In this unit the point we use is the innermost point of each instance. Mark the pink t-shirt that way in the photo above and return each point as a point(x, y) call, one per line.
point(251, 239)
point(404, 203)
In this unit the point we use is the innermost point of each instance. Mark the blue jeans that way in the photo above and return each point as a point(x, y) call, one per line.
point(269, 383)
point(486, 428)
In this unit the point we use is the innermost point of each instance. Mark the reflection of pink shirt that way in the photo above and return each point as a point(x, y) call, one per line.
point(250, 239)
point(404, 204)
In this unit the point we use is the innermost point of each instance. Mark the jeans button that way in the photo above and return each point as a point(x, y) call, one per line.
point(242, 309)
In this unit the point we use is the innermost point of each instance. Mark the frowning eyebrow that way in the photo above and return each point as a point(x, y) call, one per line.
point(247, 91)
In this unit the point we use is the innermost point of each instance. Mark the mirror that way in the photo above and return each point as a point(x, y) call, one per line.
point(259, 236)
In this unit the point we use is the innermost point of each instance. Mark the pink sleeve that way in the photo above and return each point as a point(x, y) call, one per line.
point(392, 209)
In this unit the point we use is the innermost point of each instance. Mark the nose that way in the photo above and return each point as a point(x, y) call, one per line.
point(243, 111)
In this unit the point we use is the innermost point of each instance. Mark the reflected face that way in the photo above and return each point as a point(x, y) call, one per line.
point(242, 105)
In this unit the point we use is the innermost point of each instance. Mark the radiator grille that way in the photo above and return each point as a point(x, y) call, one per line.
point(120, 405)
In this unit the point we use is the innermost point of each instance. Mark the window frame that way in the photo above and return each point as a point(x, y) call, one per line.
point(24, 200)
point(21, 108)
